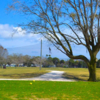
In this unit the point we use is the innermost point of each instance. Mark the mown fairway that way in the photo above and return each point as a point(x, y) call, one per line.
point(44, 90)
point(80, 74)
point(21, 72)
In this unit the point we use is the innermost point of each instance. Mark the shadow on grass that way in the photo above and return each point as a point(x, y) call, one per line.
point(24, 75)
point(98, 79)
point(68, 76)
point(76, 78)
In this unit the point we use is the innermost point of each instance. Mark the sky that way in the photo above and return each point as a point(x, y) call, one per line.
point(24, 43)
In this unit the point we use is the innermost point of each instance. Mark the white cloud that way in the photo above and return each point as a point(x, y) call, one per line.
point(18, 32)
point(31, 35)
point(7, 31)
point(37, 36)
point(16, 37)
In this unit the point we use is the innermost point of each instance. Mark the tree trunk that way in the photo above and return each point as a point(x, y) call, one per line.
point(92, 71)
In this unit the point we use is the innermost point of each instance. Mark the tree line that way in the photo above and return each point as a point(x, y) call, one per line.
point(33, 61)
point(68, 63)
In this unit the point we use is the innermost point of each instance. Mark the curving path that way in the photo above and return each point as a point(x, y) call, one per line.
point(51, 76)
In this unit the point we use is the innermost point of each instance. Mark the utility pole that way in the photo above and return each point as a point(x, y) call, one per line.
point(99, 21)
point(41, 56)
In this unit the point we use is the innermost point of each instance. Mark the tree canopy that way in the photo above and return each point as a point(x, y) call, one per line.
point(51, 17)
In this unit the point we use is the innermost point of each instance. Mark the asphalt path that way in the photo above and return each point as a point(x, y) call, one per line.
point(51, 76)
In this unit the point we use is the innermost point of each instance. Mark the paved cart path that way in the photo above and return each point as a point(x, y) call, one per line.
point(51, 76)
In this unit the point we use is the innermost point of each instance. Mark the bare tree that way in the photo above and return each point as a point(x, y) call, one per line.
point(27, 59)
point(13, 59)
point(37, 60)
point(3, 52)
point(3, 55)
point(18, 59)
point(51, 17)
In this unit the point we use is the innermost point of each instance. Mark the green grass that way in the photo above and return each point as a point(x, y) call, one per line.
point(21, 72)
point(45, 90)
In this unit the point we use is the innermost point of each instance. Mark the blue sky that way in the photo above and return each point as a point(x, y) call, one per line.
point(23, 43)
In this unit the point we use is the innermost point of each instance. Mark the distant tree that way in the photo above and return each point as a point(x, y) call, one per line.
point(3, 55)
point(98, 63)
point(50, 59)
point(55, 60)
point(14, 59)
point(80, 64)
point(71, 63)
point(49, 55)
point(18, 59)
point(76, 63)
point(48, 63)
point(62, 61)
point(84, 65)
point(27, 60)
point(36, 60)
point(46, 55)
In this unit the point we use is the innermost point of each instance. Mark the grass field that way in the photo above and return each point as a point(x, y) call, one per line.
point(45, 90)
point(80, 74)
point(21, 72)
